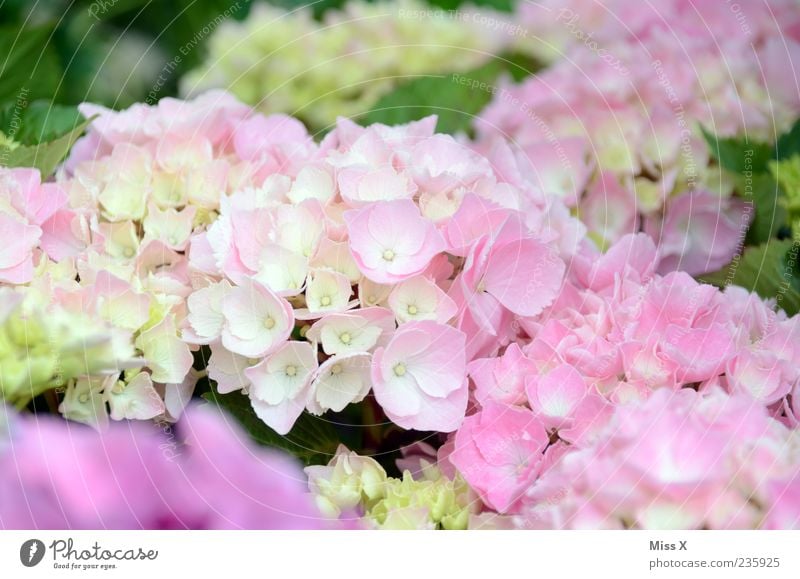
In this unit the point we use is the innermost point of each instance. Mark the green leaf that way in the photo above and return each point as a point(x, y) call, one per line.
point(769, 215)
point(321, 6)
point(791, 265)
point(789, 143)
point(770, 270)
point(37, 122)
point(312, 439)
point(738, 154)
point(45, 156)
point(456, 98)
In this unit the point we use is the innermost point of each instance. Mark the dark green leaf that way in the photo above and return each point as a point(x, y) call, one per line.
point(45, 156)
point(456, 98)
point(321, 6)
point(769, 269)
point(312, 439)
point(738, 154)
point(38, 122)
point(769, 215)
point(501, 5)
point(789, 143)
point(791, 265)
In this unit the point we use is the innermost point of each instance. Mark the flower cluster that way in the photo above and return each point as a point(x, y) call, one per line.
point(381, 262)
point(635, 400)
point(682, 460)
point(614, 125)
point(199, 238)
point(203, 475)
point(285, 61)
point(424, 498)
point(33, 223)
point(50, 345)
point(107, 244)
point(617, 335)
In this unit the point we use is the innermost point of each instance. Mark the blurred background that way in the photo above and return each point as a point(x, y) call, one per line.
point(115, 52)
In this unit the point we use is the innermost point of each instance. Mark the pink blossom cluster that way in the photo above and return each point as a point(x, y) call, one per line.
point(613, 125)
point(619, 335)
point(201, 474)
point(682, 460)
point(394, 262)
point(381, 261)
point(109, 238)
point(34, 224)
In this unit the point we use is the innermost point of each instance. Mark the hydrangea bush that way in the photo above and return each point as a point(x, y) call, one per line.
point(395, 269)
point(504, 331)
point(614, 125)
point(285, 61)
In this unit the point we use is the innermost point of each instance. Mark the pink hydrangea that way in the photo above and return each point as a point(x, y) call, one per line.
point(419, 377)
point(353, 248)
point(449, 286)
point(619, 85)
point(679, 460)
point(499, 452)
point(391, 241)
point(34, 219)
point(201, 475)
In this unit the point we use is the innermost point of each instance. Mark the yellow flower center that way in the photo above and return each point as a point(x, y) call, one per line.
point(291, 371)
point(269, 323)
point(412, 310)
point(345, 338)
point(400, 369)
point(388, 255)
point(336, 369)
point(325, 301)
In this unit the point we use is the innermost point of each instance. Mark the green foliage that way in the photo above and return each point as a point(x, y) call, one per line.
point(770, 214)
point(45, 156)
point(456, 98)
point(321, 6)
point(770, 270)
point(312, 439)
point(748, 162)
point(739, 154)
point(37, 122)
point(28, 65)
point(107, 51)
point(788, 143)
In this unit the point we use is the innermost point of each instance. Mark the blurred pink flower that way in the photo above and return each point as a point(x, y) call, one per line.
point(199, 474)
